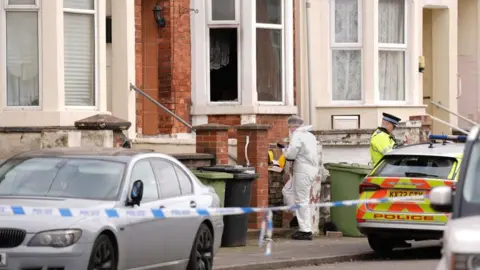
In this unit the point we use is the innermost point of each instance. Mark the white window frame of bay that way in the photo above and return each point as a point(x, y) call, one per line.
point(345, 44)
point(80, 8)
point(29, 63)
point(391, 46)
point(245, 22)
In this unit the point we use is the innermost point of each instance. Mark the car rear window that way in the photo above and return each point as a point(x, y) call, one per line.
point(416, 166)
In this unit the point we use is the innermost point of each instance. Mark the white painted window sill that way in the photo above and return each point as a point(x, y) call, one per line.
point(242, 109)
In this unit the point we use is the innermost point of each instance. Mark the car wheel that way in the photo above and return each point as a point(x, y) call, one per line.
point(103, 255)
point(201, 255)
point(381, 246)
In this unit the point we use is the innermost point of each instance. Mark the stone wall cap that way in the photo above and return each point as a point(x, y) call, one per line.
point(211, 126)
point(253, 127)
point(102, 122)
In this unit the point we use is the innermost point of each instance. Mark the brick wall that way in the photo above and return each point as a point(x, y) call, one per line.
point(229, 120)
point(163, 66)
point(139, 41)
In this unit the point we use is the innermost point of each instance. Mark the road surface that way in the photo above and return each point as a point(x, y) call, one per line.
point(425, 258)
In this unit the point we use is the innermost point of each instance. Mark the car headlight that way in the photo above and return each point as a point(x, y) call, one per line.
point(56, 238)
point(465, 262)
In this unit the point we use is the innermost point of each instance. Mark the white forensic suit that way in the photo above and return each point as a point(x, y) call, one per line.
point(303, 151)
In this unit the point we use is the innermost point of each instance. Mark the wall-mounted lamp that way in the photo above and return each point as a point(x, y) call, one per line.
point(157, 14)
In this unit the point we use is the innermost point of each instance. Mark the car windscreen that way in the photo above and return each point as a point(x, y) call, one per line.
point(416, 166)
point(61, 177)
point(471, 186)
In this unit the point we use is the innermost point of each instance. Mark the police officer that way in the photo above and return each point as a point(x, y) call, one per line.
point(382, 140)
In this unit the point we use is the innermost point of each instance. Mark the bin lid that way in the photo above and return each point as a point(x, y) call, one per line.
point(245, 176)
point(226, 168)
point(349, 167)
point(212, 175)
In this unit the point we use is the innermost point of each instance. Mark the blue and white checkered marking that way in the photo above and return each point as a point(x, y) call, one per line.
point(140, 212)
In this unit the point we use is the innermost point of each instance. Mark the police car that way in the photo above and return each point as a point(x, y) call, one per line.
point(411, 170)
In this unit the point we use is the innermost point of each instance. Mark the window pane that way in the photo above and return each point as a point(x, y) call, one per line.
point(391, 21)
point(22, 59)
point(223, 10)
point(223, 64)
point(143, 171)
point(21, 2)
point(269, 11)
point(184, 180)
point(392, 75)
point(346, 21)
point(79, 4)
point(60, 177)
point(79, 59)
point(269, 65)
point(416, 166)
point(167, 179)
point(347, 75)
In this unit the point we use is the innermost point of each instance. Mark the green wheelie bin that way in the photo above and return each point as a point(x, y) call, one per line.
point(345, 179)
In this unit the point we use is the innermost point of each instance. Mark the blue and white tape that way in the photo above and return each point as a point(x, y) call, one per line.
point(266, 231)
point(140, 212)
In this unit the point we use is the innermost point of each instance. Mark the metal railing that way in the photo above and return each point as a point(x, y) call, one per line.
point(438, 105)
point(138, 90)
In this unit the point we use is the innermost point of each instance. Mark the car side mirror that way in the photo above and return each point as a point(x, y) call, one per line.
point(136, 194)
point(441, 199)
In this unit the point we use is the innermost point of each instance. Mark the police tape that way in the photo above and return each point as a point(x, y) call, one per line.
point(162, 213)
point(266, 231)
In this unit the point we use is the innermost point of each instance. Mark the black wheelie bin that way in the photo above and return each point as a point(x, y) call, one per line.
point(237, 194)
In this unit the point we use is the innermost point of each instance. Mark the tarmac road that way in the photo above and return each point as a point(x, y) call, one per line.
point(425, 258)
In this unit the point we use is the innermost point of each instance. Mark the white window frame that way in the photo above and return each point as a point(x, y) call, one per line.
point(271, 26)
point(218, 24)
point(3, 54)
point(357, 46)
point(248, 98)
point(397, 48)
point(96, 94)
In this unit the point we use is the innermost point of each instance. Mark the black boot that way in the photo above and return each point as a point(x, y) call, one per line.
point(302, 236)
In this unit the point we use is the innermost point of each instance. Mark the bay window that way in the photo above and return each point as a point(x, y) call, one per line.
point(242, 53)
point(22, 53)
point(80, 52)
point(346, 50)
point(392, 49)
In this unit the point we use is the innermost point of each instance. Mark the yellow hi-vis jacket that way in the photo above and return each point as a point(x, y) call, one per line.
point(380, 143)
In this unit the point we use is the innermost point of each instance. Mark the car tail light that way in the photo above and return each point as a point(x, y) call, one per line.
point(366, 186)
point(454, 187)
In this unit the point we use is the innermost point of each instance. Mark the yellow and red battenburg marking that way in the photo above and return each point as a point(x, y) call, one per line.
point(401, 211)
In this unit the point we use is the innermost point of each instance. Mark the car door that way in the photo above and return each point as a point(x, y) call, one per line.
point(181, 231)
point(144, 245)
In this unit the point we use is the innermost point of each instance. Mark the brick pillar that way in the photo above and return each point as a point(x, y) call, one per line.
point(257, 151)
point(427, 125)
point(213, 139)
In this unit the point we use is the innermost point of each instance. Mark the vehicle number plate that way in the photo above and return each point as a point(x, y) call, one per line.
point(405, 193)
point(3, 259)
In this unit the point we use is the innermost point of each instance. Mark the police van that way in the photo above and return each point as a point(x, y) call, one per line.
point(412, 170)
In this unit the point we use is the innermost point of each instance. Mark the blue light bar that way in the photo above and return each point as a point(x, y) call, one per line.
point(459, 138)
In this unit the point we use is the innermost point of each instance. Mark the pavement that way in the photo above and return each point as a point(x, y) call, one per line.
point(289, 253)
point(425, 257)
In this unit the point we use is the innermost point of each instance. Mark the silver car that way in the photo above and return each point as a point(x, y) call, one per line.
point(97, 179)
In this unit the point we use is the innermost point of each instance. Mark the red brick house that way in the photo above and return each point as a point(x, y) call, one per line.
point(215, 61)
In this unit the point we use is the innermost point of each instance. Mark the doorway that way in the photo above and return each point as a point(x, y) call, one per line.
point(436, 77)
